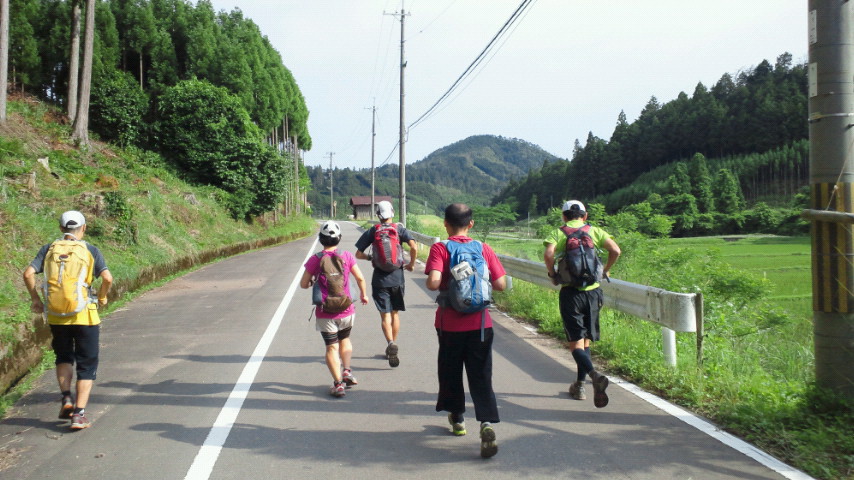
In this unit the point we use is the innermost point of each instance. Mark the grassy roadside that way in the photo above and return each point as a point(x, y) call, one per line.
point(757, 378)
point(146, 221)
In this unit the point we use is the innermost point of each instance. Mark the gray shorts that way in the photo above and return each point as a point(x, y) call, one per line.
point(333, 325)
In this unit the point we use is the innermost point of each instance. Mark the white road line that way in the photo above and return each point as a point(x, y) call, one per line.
point(206, 458)
point(718, 434)
point(709, 429)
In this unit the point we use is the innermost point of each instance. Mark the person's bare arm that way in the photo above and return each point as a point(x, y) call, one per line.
point(104, 289)
point(413, 255)
point(434, 279)
point(360, 281)
point(36, 302)
point(307, 279)
point(614, 253)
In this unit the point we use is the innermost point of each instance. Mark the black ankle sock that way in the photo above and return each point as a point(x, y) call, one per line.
point(457, 417)
point(66, 393)
point(78, 411)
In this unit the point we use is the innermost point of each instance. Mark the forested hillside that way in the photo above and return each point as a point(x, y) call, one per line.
point(206, 90)
point(472, 170)
point(748, 131)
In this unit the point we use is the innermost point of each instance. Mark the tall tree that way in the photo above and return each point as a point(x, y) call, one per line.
point(80, 133)
point(4, 57)
point(74, 60)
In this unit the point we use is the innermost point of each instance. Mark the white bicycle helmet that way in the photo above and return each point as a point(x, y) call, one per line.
point(330, 229)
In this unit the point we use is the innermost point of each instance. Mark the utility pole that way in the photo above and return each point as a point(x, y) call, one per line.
point(401, 141)
point(331, 199)
point(831, 130)
point(373, 151)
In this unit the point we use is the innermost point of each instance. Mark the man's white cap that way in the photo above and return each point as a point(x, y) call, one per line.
point(573, 203)
point(72, 219)
point(330, 229)
point(385, 210)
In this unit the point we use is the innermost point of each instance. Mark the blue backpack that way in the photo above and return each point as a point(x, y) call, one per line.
point(469, 289)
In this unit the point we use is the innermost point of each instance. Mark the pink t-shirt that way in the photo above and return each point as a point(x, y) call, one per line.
point(312, 266)
point(447, 318)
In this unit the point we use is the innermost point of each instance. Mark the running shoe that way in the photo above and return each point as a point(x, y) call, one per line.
point(67, 408)
point(600, 383)
point(457, 428)
point(488, 443)
point(576, 391)
point(391, 354)
point(79, 421)
point(337, 389)
point(348, 378)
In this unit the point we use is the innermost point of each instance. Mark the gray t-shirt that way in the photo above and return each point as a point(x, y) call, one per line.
point(381, 278)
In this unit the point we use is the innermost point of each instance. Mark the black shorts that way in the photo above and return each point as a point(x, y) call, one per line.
point(580, 313)
point(389, 299)
point(77, 344)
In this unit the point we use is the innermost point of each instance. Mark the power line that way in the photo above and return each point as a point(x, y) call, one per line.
point(513, 18)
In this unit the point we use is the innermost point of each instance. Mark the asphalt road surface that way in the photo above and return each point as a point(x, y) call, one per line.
point(218, 374)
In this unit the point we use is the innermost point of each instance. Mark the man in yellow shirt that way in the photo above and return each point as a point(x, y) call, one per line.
point(579, 305)
point(75, 329)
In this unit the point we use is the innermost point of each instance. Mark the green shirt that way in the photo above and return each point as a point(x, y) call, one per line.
point(558, 238)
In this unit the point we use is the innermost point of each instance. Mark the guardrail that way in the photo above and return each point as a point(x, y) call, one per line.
point(675, 312)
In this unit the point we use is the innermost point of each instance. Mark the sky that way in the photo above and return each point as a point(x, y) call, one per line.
point(564, 69)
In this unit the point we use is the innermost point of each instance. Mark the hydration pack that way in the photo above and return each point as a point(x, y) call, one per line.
point(469, 289)
point(68, 268)
point(579, 266)
point(386, 247)
point(330, 286)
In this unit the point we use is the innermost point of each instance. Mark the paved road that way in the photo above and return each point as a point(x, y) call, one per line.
point(219, 375)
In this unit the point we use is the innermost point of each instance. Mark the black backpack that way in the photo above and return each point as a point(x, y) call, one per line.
point(579, 266)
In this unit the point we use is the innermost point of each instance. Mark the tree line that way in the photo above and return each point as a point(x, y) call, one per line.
point(751, 127)
point(205, 89)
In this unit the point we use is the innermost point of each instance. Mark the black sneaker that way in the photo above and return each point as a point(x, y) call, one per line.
point(600, 383)
point(391, 354)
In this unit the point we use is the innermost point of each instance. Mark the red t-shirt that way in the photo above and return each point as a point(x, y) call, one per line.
point(447, 318)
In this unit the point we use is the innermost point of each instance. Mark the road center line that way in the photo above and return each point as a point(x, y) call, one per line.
point(209, 453)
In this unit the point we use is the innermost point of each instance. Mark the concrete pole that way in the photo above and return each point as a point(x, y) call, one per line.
point(331, 198)
point(831, 130)
point(373, 150)
point(402, 151)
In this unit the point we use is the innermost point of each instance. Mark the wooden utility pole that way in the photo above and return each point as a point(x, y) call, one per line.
point(402, 128)
point(831, 130)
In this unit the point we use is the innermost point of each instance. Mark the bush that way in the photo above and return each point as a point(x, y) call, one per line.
point(117, 108)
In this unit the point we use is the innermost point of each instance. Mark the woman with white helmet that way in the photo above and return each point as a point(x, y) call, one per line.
point(328, 271)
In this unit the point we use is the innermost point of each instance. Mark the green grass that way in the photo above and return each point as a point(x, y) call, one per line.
point(140, 214)
point(757, 374)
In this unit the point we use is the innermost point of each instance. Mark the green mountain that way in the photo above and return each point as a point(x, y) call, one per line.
point(472, 170)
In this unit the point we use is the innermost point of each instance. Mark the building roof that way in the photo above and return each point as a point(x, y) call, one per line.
point(366, 199)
